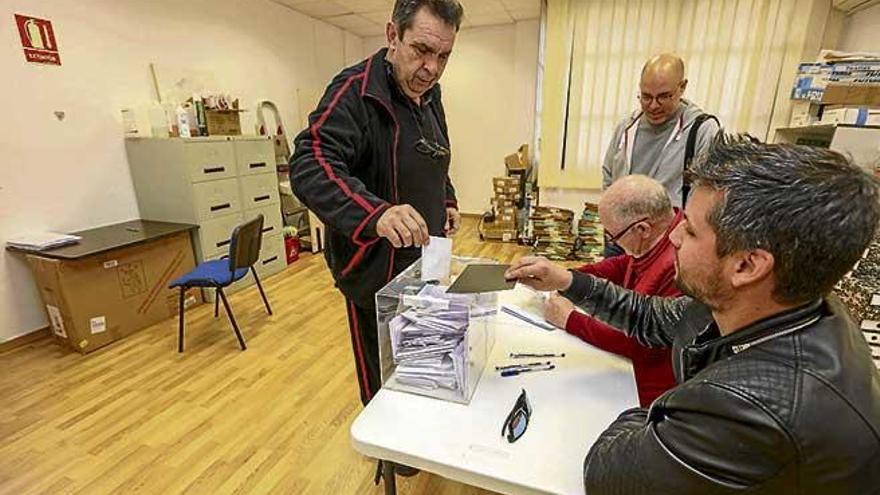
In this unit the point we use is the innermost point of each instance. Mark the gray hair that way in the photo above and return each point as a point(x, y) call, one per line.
point(811, 208)
point(639, 196)
point(449, 11)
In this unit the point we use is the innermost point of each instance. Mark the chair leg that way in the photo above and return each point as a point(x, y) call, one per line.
point(231, 318)
point(180, 324)
point(216, 302)
point(263, 294)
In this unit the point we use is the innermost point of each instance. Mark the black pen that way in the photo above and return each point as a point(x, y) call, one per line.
point(525, 365)
point(526, 370)
point(516, 355)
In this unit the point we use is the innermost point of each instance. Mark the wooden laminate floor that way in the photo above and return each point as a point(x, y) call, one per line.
point(137, 417)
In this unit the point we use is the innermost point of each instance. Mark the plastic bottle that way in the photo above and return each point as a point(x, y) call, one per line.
point(183, 123)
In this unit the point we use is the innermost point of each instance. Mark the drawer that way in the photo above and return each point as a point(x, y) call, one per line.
point(872, 338)
point(214, 235)
point(209, 161)
point(259, 190)
point(271, 219)
point(272, 257)
point(254, 157)
point(215, 199)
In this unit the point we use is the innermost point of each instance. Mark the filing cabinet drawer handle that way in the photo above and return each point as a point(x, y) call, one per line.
point(223, 243)
point(258, 165)
point(273, 258)
point(213, 170)
point(262, 198)
point(268, 229)
point(221, 207)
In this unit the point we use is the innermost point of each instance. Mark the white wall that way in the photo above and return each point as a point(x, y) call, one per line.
point(489, 96)
point(861, 31)
point(73, 174)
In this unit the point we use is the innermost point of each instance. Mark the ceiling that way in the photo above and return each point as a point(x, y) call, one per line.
point(368, 17)
point(851, 6)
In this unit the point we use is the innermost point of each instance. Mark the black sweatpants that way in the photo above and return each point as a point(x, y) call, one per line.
point(362, 325)
point(365, 345)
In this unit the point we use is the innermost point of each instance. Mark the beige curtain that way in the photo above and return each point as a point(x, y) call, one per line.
point(740, 58)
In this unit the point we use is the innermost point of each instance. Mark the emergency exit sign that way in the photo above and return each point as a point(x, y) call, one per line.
point(38, 40)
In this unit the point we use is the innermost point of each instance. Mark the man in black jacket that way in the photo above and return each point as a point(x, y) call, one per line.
point(373, 166)
point(777, 390)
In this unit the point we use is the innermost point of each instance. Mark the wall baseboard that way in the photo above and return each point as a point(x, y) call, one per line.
point(25, 339)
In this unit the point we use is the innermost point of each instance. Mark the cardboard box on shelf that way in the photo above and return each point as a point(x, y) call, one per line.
point(223, 122)
point(804, 112)
point(835, 114)
point(505, 210)
point(99, 299)
point(503, 202)
point(506, 181)
point(852, 94)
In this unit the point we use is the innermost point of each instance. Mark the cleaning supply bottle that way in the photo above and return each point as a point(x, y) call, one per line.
point(183, 121)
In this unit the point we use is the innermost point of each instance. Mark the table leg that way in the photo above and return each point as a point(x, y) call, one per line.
point(388, 474)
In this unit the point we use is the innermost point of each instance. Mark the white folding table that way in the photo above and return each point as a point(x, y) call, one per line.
point(571, 406)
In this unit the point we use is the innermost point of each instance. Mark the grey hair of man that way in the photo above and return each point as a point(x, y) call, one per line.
point(449, 11)
point(811, 208)
point(634, 197)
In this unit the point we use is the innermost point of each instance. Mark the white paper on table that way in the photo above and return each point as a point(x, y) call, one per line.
point(436, 259)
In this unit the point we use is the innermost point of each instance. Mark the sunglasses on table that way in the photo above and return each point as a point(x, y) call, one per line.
point(518, 419)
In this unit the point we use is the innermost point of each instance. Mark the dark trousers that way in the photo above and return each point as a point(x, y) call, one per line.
point(362, 324)
point(365, 345)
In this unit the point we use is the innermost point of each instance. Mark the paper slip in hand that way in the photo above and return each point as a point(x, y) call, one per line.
point(436, 259)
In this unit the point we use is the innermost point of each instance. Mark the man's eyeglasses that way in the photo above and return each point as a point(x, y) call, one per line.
point(614, 238)
point(431, 148)
point(661, 99)
point(518, 419)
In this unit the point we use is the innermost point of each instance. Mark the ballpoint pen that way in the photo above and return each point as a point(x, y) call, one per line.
point(526, 370)
point(517, 355)
point(524, 365)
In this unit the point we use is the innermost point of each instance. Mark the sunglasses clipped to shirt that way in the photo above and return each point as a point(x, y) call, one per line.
point(518, 419)
point(431, 148)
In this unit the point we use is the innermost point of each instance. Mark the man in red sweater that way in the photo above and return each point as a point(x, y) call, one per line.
point(638, 216)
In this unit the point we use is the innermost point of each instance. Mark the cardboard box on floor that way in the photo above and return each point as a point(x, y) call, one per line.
point(100, 299)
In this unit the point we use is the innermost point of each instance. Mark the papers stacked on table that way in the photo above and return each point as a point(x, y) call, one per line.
point(39, 241)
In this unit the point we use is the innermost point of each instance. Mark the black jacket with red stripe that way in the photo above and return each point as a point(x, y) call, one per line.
point(344, 169)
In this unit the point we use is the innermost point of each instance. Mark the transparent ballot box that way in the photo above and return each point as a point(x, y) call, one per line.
point(432, 343)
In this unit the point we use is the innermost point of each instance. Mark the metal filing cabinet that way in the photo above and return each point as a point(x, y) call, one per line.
point(216, 183)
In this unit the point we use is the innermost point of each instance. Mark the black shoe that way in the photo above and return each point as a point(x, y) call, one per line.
point(405, 471)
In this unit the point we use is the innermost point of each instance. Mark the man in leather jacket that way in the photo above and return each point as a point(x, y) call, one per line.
point(777, 392)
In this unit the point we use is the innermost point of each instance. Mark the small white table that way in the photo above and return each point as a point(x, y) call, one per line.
point(571, 406)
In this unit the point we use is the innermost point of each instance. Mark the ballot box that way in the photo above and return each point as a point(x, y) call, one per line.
point(431, 342)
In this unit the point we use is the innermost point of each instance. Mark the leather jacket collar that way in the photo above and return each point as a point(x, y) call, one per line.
point(709, 346)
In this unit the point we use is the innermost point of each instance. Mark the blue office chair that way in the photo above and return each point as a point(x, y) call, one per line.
point(244, 250)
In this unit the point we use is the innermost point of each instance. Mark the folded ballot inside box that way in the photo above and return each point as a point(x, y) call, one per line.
point(432, 342)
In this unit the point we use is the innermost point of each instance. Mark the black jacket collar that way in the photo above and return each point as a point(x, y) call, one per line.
point(709, 346)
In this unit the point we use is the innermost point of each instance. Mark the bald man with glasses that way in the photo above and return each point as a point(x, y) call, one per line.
point(659, 138)
point(652, 140)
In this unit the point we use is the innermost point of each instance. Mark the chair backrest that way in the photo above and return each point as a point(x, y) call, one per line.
point(244, 246)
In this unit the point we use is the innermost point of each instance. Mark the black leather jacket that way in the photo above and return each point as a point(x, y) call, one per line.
point(790, 404)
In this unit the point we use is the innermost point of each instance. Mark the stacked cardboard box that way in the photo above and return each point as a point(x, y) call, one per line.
point(504, 206)
point(590, 240)
point(551, 230)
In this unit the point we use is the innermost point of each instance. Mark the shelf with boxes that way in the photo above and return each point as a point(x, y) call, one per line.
point(216, 183)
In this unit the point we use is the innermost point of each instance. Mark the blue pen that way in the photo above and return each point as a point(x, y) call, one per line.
point(526, 370)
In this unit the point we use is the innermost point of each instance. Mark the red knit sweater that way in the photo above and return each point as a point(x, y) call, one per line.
point(652, 274)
